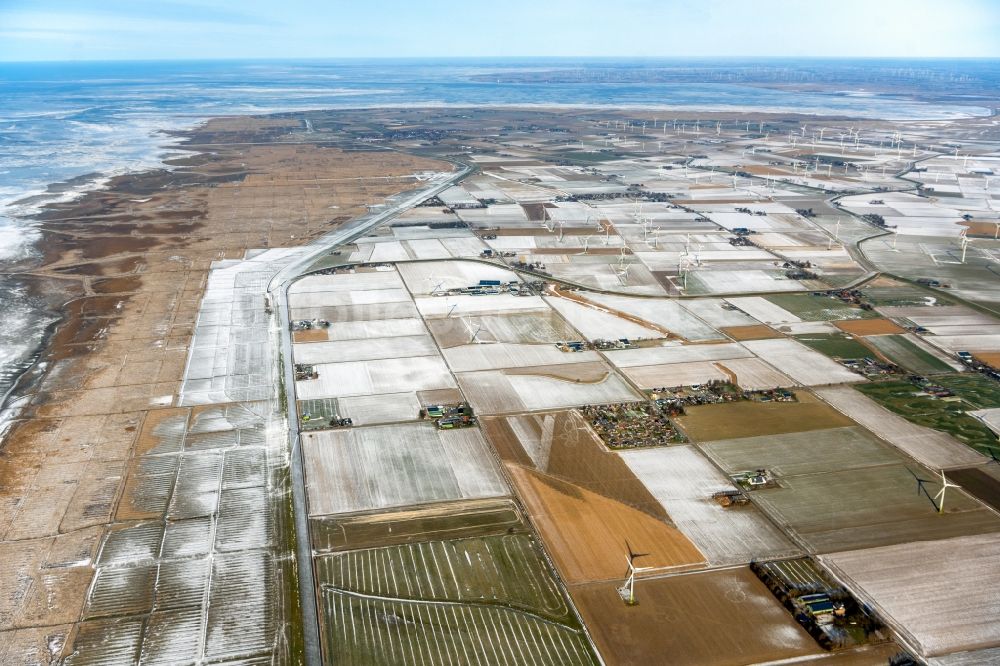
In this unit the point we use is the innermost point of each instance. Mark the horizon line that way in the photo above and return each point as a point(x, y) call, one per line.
point(504, 57)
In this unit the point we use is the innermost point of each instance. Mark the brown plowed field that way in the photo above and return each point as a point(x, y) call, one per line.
point(310, 335)
point(704, 423)
point(586, 532)
point(752, 332)
point(723, 618)
point(868, 327)
point(980, 482)
point(977, 228)
point(563, 446)
point(989, 358)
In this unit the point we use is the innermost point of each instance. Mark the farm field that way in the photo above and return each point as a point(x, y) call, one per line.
point(704, 423)
point(474, 357)
point(865, 327)
point(595, 324)
point(504, 569)
point(683, 480)
point(799, 453)
point(975, 389)
point(801, 363)
point(876, 503)
point(819, 308)
point(835, 345)
point(360, 330)
point(519, 328)
point(428, 276)
point(904, 353)
point(710, 311)
point(543, 387)
point(753, 374)
point(443, 520)
point(665, 313)
point(712, 282)
point(923, 410)
point(941, 594)
point(384, 466)
point(675, 353)
point(358, 312)
point(934, 449)
point(884, 292)
point(562, 445)
point(365, 349)
point(675, 374)
point(381, 408)
point(980, 482)
point(724, 617)
point(870, 655)
point(484, 600)
point(751, 332)
point(991, 359)
point(341, 282)
point(321, 299)
point(462, 305)
point(764, 310)
point(586, 532)
point(387, 375)
point(875, 506)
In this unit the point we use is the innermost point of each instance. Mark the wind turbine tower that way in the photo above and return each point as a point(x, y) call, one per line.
point(627, 590)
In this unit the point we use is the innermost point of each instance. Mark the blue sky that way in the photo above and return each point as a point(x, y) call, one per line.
point(181, 29)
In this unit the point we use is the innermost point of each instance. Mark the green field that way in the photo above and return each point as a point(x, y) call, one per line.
point(585, 156)
point(906, 354)
point(819, 308)
point(904, 399)
point(835, 345)
point(319, 413)
point(904, 294)
point(975, 389)
point(452, 520)
point(478, 600)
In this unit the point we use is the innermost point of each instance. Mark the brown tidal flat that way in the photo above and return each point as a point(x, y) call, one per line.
point(94, 459)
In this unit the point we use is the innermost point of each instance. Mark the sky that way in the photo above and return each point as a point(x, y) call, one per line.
point(33, 30)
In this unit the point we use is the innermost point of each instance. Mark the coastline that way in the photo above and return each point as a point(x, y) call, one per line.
point(131, 262)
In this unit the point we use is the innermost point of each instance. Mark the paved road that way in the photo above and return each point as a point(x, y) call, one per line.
point(278, 293)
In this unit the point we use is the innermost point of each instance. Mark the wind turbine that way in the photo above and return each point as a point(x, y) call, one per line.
point(945, 485)
point(627, 590)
